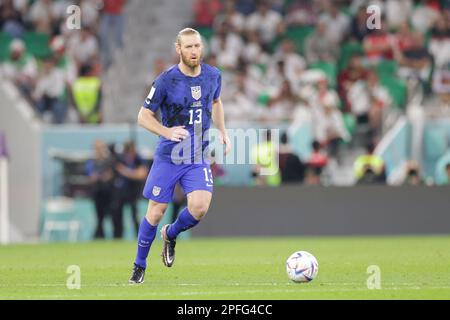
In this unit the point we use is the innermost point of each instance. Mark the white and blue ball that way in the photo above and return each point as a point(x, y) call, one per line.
point(302, 266)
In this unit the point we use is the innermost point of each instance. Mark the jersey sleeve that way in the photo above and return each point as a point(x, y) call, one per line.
point(219, 87)
point(156, 96)
point(89, 167)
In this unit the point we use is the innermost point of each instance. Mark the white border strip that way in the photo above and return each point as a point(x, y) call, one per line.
point(21, 104)
point(385, 142)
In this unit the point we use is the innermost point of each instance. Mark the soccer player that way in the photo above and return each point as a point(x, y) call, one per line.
point(188, 96)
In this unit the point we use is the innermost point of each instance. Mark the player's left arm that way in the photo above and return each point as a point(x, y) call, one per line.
point(218, 117)
point(139, 173)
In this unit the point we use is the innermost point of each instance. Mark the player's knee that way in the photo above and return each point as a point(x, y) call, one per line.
point(155, 214)
point(198, 209)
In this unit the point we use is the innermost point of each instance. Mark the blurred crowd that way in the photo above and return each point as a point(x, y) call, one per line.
point(115, 179)
point(290, 62)
point(320, 62)
point(56, 53)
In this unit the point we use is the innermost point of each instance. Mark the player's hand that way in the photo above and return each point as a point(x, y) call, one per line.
point(177, 134)
point(225, 139)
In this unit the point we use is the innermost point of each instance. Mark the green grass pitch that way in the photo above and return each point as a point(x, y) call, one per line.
point(232, 268)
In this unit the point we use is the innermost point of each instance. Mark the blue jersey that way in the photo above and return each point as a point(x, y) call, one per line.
point(185, 101)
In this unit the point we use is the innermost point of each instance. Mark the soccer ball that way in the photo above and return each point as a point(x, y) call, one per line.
point(302, 266)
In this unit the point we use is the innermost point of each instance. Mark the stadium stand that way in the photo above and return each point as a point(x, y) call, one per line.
point(265, 50)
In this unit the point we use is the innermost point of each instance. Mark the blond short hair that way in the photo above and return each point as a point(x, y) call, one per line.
point(186, 32)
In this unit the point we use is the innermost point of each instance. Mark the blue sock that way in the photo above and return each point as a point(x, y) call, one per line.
point(185, 221)
point(146, 235)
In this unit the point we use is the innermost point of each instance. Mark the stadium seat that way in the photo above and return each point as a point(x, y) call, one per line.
point(435, 143)
point(330, 69)
point(387, 67)
point(350, 122)
point(397, 89)
point(347, 50)
point(59, 216)
point(299, 35)
point(5, 40)
point(206, 33)
point(37, 44)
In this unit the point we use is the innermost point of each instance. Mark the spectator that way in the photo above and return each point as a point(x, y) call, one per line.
point(378, 45)
point(354, 72)
point(253, 50)
point(112, 24)
point(291, 167)
point(100, 172)
point(398, 12)
point(205, 11)
point(131, 171)
point(369, 177)
point(44, 16)
point(233, 18)
point(90, 10)
point(267, 23)
point(313, 176)
point(447, 171)
point(441, 85)
point(50, 90)
point(226, 46)
point(358, 26)
point(281, 104)
point(20, 68)
point(413, 176)
point(266, 171)
point(328, 126)
point(294, 64)
point(369, 168)
point(240, 108)
point(83, 47)
point(368, 101)
point(63, 61)
point(318, 158)
point(86, 93)
point(336, 23)
point(415, 60)
point(301, 13)
point(11, 21)
point(319, 47)
point(439, 45)
point(424, 15)
point(246, 7)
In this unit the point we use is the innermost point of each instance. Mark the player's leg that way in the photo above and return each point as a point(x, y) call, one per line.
point(146, 236)
point(198, 185)
point(147, 230)
point(179, 200)
point(198, 205)
point(159, 190)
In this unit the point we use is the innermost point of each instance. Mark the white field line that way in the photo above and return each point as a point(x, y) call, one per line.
point(115, 285)
point(215, 293)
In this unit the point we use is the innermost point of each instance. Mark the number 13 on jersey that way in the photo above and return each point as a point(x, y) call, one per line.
point(197, 118)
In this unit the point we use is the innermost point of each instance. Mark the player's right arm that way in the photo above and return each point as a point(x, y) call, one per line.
point(147, 119)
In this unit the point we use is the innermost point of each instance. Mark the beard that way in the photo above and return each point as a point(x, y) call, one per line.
point(191, 63)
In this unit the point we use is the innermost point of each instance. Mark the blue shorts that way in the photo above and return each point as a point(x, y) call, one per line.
point(164, 175)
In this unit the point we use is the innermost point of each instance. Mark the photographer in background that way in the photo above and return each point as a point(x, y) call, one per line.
point(130, 172)
point(101, 173)
point(413, 175)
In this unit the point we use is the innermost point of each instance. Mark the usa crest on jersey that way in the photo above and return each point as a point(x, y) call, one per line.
point(196, 92)
point(156, 191)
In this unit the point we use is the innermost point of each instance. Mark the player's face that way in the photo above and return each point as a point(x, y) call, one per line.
point(191, 50)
